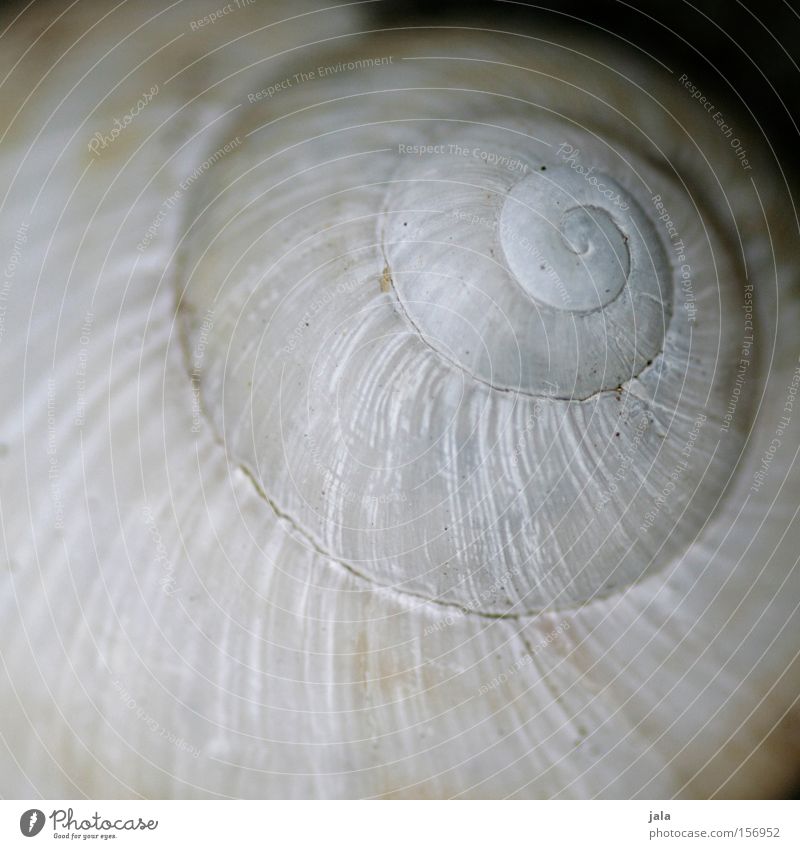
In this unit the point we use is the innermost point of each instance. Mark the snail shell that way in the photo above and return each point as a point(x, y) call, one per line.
point(434, 339)
point(341, 469)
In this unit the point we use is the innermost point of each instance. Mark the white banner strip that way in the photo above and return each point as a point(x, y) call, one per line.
point(403, 825)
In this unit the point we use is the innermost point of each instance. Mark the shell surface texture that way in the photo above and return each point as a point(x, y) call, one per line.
point(399, 412)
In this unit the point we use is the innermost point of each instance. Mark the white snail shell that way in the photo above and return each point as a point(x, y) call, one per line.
point(430, 484)
point(453, 437)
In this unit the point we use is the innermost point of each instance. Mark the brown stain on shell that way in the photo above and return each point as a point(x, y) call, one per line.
point(386, 280)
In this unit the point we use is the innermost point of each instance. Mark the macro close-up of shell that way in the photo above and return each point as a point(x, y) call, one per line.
point(391, 408)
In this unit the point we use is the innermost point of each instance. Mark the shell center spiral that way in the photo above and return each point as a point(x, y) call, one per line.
point(564, 254)
point(552, 284)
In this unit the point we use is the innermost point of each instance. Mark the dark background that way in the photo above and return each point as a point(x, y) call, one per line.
point(747, 54)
